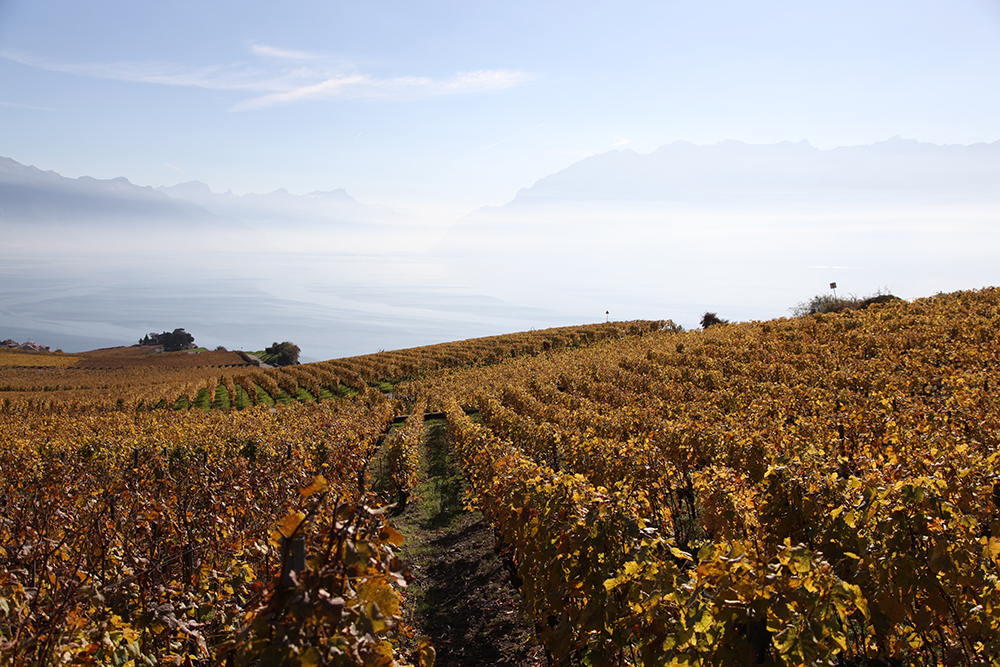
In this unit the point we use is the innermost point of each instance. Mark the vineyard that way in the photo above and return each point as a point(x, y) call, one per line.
point(138, 379)
point(820, 490)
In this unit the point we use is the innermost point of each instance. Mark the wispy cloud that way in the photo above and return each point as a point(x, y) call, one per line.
point(314, 77)
point(621, 142)
point(519, 134)
point(364, 86)
point(176, 168)
point(25, 106)
point(217, 77)
point(285, 54)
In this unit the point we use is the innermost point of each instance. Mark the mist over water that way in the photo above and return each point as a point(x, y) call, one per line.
point(747, 231)
point(329, 305)
point(493, 272)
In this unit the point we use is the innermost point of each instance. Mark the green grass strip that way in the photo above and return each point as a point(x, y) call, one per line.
point(201, 400)
point(221, 401)
point(242, 399)
point(263, 397)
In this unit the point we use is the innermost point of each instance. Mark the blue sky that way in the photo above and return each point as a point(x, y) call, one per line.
point(441, 107)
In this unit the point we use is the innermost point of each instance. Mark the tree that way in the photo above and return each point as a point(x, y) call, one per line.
point(283, 354)
point(171, 341)
point(710, 319)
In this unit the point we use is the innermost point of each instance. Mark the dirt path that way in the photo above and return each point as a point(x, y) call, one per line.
point(462, 596)
point(260, 362)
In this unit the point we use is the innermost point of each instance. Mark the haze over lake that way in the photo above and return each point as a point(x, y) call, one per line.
point(746, 231)
point(364, 176)
point(329, 305)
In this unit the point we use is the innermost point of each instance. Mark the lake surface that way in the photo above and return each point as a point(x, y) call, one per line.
point(511, 272)
point(331, 306)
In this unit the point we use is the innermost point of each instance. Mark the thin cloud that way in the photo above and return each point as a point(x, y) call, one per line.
point(286, 54)
point(329, 88)
point(484, 80)
point(25, 106)
point(312, 81)
point(363, 86)
point(519, 134)
point(621, 142)
point(218, 77)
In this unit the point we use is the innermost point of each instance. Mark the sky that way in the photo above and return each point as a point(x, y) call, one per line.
point(442, 107)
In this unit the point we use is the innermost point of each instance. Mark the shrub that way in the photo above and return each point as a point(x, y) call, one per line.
point(829, 303)
point(710, 319)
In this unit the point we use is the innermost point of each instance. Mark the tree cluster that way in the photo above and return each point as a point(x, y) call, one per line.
point(171, 341)
point(283, 354)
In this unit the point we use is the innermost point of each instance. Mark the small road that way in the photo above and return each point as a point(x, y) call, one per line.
point(260, 363)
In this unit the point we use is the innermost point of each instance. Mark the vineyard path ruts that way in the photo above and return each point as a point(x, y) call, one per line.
point(462, 595)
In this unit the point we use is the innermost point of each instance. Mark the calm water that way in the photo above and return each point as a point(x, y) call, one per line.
point(330, 306)
point(493, 275)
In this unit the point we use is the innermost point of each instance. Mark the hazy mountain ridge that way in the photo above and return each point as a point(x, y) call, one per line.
point(733, 170)
point(280, 206)
point(30, 195)
point(739, 223)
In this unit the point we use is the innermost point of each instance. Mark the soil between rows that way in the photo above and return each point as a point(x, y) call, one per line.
point(461, 597)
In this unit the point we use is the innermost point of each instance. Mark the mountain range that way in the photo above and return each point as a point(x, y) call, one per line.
point(30, 196)
point(740, 229)
point(736, 171)
point(729, 173)
point(320, 207)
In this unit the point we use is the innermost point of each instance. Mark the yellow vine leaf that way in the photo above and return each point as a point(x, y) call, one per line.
point(290, 523)
point(318, 484)
point(392, 536)
point(993, 548)
point(425, 652)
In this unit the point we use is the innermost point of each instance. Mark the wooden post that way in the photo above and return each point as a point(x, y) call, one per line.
point(188, 563)
point(293, 559)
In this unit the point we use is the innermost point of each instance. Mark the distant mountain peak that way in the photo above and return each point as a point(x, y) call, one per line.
point(195, 186)
point(733, 170)
point(32, 196)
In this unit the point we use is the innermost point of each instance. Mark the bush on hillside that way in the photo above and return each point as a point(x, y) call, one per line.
point(829, 303)
point(711, 319)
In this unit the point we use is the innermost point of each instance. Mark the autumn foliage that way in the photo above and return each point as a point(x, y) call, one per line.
point(822, 490)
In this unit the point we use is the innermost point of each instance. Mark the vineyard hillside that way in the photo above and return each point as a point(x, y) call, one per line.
point(816, 490)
